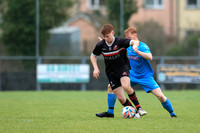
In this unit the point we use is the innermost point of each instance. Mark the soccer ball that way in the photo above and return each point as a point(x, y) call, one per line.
point(128, 112)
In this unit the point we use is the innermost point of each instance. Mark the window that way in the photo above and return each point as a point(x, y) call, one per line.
point(154, 4)
point(189, 32)
point(101, 2)
point(96, 4)
point(191, 4)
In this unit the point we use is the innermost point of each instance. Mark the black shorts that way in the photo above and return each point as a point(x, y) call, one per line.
point(114, 80)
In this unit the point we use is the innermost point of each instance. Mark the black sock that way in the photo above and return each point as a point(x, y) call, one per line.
point(127, 103)
point(134, 99)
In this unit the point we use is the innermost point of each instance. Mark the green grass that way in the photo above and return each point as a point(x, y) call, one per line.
point(74, 112)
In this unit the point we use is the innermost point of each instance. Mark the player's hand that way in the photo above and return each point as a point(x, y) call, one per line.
point(135, 46)
point(96, 74)
point(99, 38)
point(136, 42)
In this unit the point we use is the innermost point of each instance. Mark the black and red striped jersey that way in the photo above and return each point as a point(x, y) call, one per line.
point(115, 56)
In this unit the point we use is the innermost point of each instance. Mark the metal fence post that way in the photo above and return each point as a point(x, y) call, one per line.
point(198, 86)
point(121, 18)
point(83, 85)
point(0, 77)
point(38, 85)
point(162, 85)
point(37, 31)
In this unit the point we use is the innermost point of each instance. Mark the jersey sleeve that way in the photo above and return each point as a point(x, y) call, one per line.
point(144, 48)
point(125, 42)
point(97, 49)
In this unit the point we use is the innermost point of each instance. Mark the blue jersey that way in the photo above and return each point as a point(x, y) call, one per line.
point(140, 67)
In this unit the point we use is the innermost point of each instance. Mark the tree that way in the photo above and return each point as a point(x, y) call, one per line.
point(191, 43)
point(153, 34)
point(188, 47)
point(19, 24)
point(2, 6)
point(113, 8)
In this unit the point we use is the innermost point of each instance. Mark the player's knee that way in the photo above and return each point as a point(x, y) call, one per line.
point(161, 98)
point(128, 89)
point(126, 86)
point(110, 89)
point(122, 100)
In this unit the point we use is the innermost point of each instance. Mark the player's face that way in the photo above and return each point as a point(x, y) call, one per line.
point(131, 36)
point(109, 37)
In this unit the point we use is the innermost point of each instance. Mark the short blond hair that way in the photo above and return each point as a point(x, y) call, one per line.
point(132, 30)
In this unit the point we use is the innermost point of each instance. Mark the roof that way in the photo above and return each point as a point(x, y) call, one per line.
point(63, 29)
point(88, 17)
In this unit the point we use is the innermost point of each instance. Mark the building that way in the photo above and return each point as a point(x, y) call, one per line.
point(64, 41)
point(88, 6)
point(178, 17)
point(89, 28)
point(161, 11)
point(188, 17)
point(89, 24)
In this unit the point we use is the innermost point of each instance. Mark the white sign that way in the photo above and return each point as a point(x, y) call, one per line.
point(63, 73)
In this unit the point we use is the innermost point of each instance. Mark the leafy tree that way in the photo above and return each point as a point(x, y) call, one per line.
point(153, 34)
point(113, 7)
point(176, 50)
point(188, 47)
point(2, 6)
point(191, 41)
point(19, 24)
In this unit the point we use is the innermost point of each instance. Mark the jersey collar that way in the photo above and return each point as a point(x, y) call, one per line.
point(111, 43)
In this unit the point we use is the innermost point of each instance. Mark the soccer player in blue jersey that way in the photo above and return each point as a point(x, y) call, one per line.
point(141, 73)
point(116, 66)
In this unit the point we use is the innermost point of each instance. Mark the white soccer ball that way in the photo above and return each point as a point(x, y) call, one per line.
point(128, 112)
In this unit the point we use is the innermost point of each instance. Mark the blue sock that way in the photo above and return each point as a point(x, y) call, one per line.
point(168, 106)
point(111, 103)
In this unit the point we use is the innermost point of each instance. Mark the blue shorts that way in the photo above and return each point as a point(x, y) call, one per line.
point(147, 83)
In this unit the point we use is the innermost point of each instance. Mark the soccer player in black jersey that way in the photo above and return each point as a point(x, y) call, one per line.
point(116, 66)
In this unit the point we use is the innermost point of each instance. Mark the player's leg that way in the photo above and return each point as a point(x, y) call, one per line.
point(140, 110)
point(149, 85)
point(164, 101)
point(125, 81)
point(119, 92)
point(111, 99)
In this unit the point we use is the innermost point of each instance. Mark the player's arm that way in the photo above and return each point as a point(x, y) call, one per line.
point(134, 42)
point(96, 71)
point(147, 56)
point(99, 38)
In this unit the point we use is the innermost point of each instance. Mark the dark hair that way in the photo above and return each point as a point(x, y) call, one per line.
point(106, 29)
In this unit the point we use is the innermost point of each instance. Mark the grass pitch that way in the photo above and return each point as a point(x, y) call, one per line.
point(74, 112)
